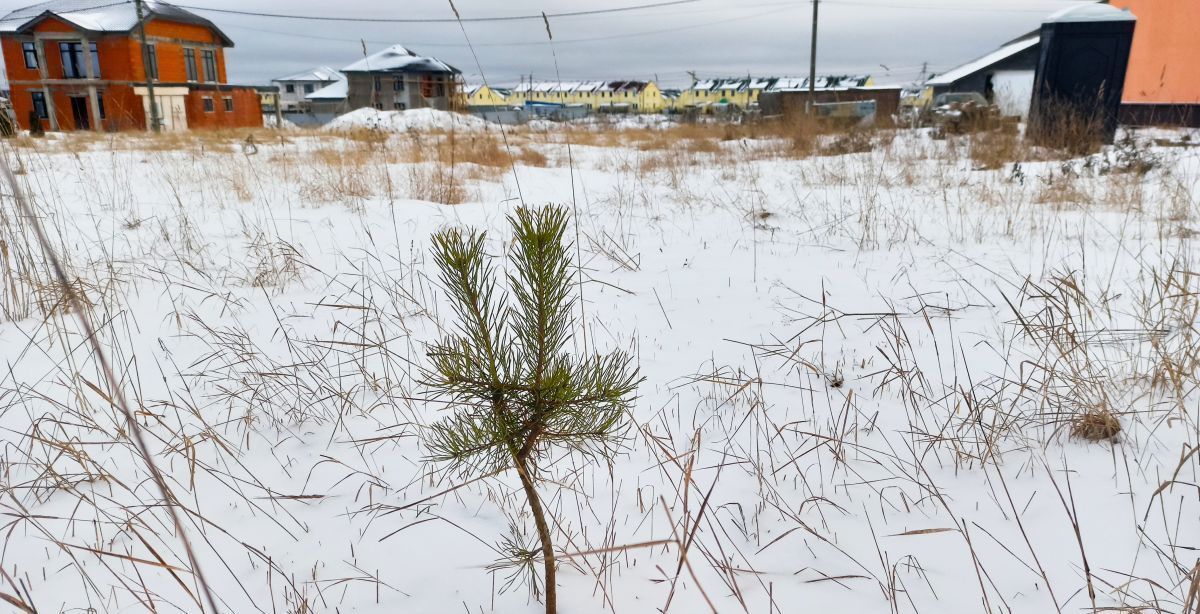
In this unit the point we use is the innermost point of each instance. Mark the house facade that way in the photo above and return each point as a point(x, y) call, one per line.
point(397, 79)
point(84, 68)
point(598, 96)
point(295, 88)
point(486, 97)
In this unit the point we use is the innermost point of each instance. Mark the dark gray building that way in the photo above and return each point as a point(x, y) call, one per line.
point(397, 79)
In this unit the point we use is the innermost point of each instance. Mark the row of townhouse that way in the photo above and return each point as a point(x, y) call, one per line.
point(620, 96)
point(647, 97)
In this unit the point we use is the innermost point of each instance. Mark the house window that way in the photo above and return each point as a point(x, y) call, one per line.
point(74, 66)
point(209, 106)
point(189, 62)
point(100, 103)
point(379, 106)
point(229, 104)
point(308, 88)
point(152, 61)
point(290, 88)
point(399, 106)
point(210, 65)
point(30, 52)
point(378, 84)
point(39, 104)
point(398, 85)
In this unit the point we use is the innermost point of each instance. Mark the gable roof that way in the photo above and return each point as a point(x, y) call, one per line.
point(990, 59)
point(115, 16)
point(338, 90)
point(399, 59)
point(321, 74)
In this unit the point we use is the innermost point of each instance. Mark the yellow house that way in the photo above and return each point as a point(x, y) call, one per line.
point(606, 96)
point(485, 96)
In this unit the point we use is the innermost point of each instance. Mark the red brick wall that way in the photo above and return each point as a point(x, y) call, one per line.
point(247, 109)
point(120, 61)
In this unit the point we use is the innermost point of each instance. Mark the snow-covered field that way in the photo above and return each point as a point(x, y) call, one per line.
point(862, 376)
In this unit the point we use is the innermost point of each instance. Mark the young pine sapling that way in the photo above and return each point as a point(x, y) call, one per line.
point(519, 396)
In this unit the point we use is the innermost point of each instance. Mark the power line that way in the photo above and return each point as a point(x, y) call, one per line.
point(537, 17)
point(591, 39)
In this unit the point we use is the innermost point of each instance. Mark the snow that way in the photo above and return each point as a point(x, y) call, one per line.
point(320, 74)
point(114, 16)
point(973, 66)
point(270, 120)
point(337, 90)
point(404, 121)
point(398, 58)
point(846, 405)
point(1091, 13)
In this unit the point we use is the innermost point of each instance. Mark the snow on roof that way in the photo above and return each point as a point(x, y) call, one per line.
point(399, 59)
point(1091, 12)
point(561, 86)
point(320, 73)
point(780, 84)
point(790, 83)
point(973, 66)
point(471, 90)
point(102, 15)
point(338, 90)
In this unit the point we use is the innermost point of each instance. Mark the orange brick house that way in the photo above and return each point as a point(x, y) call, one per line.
point(79, 65)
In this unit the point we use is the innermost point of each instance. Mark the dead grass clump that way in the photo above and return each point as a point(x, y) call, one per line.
point(437, 184)
point(1062, 189)
point(278, 263)
point(481, 149)
point(1068, 130)
point(530, 156)
point(1096, 425)
point(367, 136)
point(996, 149)
point(338, 174)
point(53, 298)
point(852, 142)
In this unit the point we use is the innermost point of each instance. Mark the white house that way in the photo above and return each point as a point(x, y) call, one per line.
point(293, 89)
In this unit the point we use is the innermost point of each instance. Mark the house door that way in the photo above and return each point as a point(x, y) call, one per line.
point(80, 113)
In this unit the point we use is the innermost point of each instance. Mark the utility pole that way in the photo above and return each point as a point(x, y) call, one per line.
point(155, 123)
point(812, 58)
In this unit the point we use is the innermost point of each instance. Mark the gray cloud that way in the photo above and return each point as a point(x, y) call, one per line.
point(711, 37)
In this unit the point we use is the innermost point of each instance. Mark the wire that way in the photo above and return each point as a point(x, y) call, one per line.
point(525, 43)
point(538, 17)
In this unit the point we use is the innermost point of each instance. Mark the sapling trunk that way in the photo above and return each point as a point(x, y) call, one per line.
point(543, 529)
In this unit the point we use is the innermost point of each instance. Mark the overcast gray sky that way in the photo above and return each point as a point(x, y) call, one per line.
point(710, 37)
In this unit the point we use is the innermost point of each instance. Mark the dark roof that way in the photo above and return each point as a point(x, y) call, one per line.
point(98, 16)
